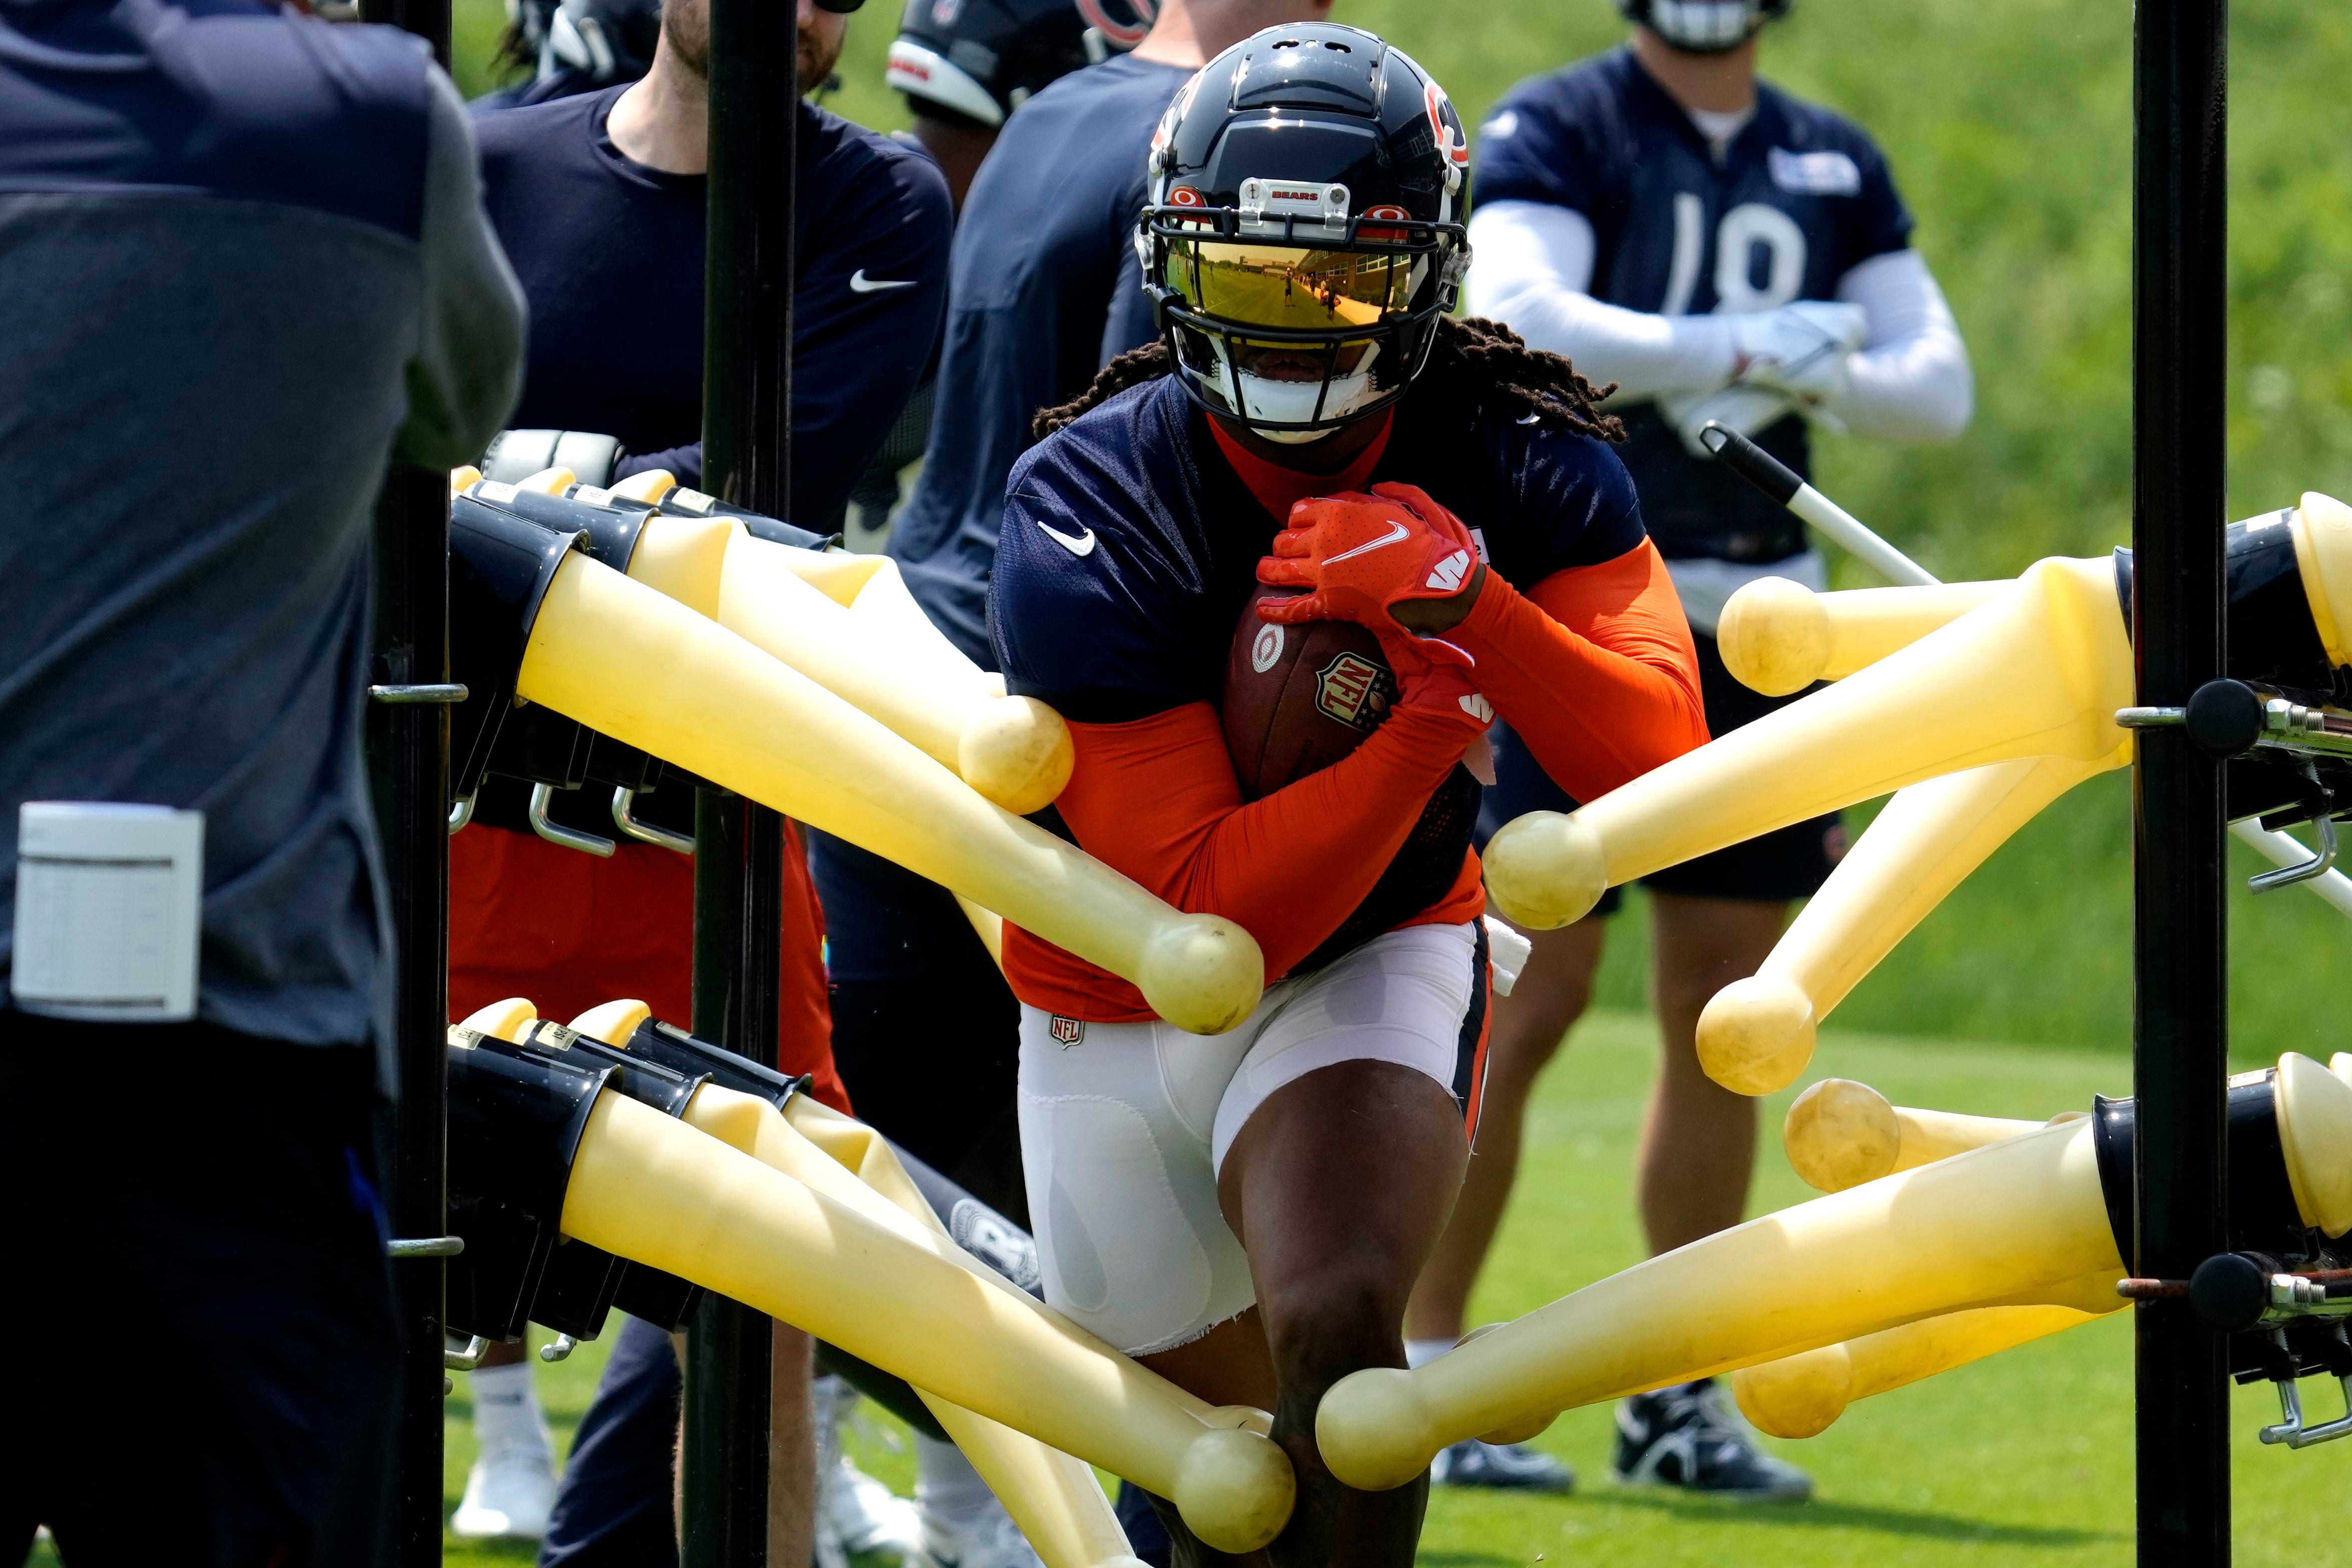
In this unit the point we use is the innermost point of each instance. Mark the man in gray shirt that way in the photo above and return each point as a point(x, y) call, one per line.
point(243, 264)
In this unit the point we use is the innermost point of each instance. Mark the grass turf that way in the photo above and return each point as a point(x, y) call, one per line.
point(2024, 1458)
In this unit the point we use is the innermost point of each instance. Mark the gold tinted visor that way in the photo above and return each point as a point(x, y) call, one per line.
point(1291, 287)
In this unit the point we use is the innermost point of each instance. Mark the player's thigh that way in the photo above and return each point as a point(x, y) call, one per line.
point(1342, 1140)
point(1116, 1121)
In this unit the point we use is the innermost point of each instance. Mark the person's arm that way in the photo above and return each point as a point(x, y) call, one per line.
point(1532, 267)
point(1593, 667)
point(1910, 381)
point(468, 369)
point(1156, 799)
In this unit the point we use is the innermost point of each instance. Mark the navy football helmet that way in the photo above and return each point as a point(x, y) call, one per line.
point(981, 59)
point(1304, 233)
point(1704, 27)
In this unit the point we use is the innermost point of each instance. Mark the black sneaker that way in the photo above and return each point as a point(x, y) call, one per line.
point(1689, 1436)
point(1499, 1467)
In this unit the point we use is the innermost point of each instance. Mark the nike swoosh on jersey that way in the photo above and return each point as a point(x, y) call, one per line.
point(1084, 545)
point(861, 284)
point(1397, 533)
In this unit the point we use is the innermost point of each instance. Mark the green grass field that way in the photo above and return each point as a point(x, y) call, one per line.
point(2025, 1459)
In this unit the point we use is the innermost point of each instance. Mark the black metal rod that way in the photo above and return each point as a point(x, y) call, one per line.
point(408, 764)
point(2180, 1040)
point(739, 853)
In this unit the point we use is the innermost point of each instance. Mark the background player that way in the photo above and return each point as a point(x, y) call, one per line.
point(598, 199)
point(1248, 1212)
point(1719, 250)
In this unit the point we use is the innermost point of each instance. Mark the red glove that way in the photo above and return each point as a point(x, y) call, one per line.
point(1431, 673)
point(1359, 556)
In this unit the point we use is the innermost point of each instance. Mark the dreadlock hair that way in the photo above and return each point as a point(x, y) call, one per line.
point(1475, 364)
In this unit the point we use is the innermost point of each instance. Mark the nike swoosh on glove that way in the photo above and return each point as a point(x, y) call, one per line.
point(1359, 556)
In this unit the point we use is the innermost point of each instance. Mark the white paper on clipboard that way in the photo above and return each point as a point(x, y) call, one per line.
point(109, 911)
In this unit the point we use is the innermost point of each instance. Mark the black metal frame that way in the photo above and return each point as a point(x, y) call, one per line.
point(408, 764)
point(2180, 1038)
point(747, 452)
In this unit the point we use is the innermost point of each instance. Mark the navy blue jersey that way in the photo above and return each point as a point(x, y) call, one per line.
point(1046, 289)
point(1130, 547)
point(1802, 197)
point(610, 254)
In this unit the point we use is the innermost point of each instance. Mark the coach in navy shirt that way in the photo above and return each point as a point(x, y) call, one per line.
point(599, 202)
point(243, 261)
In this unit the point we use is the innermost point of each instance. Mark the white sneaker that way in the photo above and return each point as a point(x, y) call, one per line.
point(862, 1515)
point(993, 1541)
point(507, 1496)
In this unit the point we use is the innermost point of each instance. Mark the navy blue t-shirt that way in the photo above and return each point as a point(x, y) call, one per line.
point(1802, 197)
point(1046, 289)
point(610, 254)
point(1130, 547)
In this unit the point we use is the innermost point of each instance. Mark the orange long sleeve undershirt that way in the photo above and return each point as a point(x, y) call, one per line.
point(1593, 667)
point(1156, 799)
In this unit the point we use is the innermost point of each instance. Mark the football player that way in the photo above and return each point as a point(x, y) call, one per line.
point(1247, 1212)
point(1720, 250)
point(1044, 289)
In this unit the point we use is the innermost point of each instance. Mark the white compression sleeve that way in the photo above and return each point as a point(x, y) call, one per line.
point(1530, 264)
point(1910, 381)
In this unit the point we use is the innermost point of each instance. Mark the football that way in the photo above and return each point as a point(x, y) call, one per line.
point(1298, 698)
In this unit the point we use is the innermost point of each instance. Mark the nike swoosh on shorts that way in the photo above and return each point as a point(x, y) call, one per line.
point(1084, 545)
point(861, 284)
point(1398, 531)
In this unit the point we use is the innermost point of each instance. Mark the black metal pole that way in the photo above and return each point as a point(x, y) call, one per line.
point(2180, 1041)
point(408, 763)
point(738, 846)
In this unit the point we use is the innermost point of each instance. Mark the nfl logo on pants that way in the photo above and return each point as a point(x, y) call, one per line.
point(1066, 1031)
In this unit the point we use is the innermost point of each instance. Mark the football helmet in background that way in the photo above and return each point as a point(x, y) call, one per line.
point(1704, 27)
point(1303, 228)
point(599, 41)
point(981, 59)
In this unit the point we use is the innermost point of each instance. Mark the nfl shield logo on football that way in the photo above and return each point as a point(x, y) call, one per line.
point(1065, 1031)
point(1354, 690)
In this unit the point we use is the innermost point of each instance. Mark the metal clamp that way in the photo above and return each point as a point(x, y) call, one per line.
point(554, 834)
point(646, 833)
point(443, 692)
point(467, 1359)
point(2151, 718)
point(2296, 1432)
point(2291, 727)
point(564, 1346)
point(425, 1246)
point(2319, 864)
point(461, 811)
